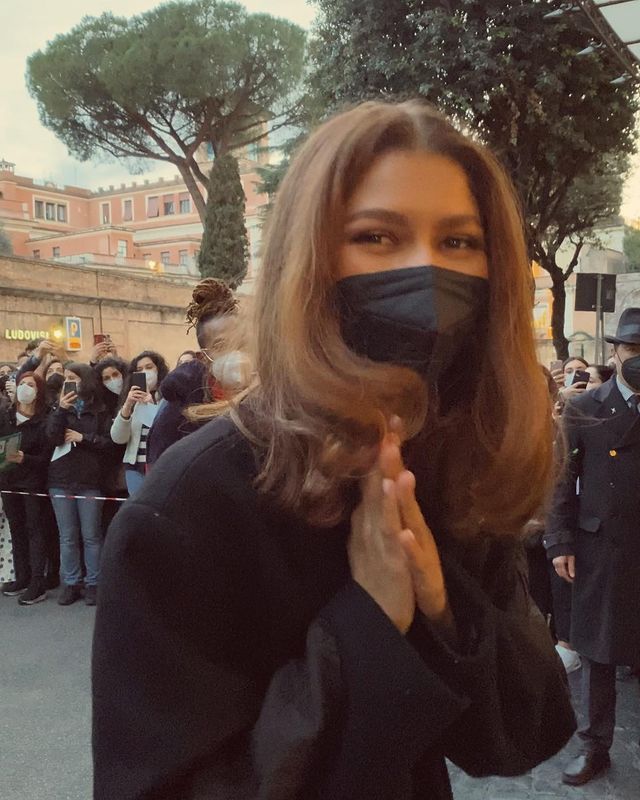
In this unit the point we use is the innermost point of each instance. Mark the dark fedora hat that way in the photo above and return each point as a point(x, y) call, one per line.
point(628, 328)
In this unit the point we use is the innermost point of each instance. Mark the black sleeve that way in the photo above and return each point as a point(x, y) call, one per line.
point(100, 439)
point(562, 520)
point(179, 713)
point(56, 426)
point(29, 366)
point(505, 664)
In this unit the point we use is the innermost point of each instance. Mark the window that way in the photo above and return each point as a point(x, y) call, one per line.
point(127, 210)
point(185, 203)
point(39, 209)
point(62, 213)
point(165, 256)
point(36, 254)
point(50, 211)
point(122, 248)
point(152, 207)
point(183, 257)
point(56, 252)
point(168, 205)
point(106, 213)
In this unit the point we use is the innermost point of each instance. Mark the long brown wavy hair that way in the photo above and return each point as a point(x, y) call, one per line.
point(318, 411)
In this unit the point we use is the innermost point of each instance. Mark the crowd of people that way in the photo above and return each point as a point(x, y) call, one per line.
point(88, 435)
point(354, 601)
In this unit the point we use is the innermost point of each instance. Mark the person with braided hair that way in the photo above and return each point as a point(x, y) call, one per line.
point(193, 382)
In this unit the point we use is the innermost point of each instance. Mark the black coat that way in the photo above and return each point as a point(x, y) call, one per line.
point(235, 659)
point(84, 466)
point(601, 525)
point(184, 386)
point(31, 475)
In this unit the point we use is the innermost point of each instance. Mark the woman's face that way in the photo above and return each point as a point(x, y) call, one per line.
point(71, 376)
point(55, 368)
point(109, 373)
point(144, 364)
point(5, 369)
point(594, 379)
point(29, 381)
point(412, 208)
point(572, 366)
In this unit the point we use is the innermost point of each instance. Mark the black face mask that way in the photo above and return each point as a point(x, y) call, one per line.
point(55, 381)
point(416, 317)
point(631, 372)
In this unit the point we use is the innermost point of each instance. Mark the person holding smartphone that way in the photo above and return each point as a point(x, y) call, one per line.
point(351, 601)
point(78, 429)
point(138, 410)
point(28, 475)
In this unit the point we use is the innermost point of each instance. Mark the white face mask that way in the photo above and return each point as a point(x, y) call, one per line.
point(152, 379)
point(26, 394)
point(114, 385)
point(232, 370)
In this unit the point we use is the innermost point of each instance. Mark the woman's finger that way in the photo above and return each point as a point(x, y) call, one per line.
point(392, 524)
point(390, 459)
point(410, 511)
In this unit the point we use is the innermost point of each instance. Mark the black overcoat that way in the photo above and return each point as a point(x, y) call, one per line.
point(235, 659)
point(600, 524)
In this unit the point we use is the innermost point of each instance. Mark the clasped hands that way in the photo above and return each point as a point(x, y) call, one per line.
point(392, 552)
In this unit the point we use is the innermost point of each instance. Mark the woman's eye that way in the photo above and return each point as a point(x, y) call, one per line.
point(370, 237)
point(464, 243)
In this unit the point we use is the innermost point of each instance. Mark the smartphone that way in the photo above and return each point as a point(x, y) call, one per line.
point(580, 376)
point(139, 379)
point(98, 338)
point(68, 387)
point(555, 365)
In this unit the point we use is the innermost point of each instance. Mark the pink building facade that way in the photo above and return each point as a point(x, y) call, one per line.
point(134, 226)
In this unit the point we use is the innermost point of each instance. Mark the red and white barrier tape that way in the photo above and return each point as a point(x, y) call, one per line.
point(63, 496)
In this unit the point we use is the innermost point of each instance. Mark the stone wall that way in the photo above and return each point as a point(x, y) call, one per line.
point(138, 311)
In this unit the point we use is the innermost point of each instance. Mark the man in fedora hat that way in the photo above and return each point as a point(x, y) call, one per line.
point(593, 539)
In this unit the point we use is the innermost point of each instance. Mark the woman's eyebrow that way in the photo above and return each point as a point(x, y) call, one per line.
point(460, 219)
point(381, 214)
point(395, 217)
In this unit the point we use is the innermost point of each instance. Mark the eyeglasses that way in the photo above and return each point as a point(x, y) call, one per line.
point(207, 355)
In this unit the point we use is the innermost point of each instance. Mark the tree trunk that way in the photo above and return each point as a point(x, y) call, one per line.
point(194, 191)
point(558, 290)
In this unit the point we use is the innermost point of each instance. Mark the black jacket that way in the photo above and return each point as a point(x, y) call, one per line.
point(31, 475)
point(235, 658)
point(84, 466)
point(183, 386)
point(601, 524)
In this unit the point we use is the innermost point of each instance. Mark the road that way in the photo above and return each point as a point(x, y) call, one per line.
point(45, 719)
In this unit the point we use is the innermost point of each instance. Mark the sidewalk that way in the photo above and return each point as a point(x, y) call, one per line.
point(45, 719)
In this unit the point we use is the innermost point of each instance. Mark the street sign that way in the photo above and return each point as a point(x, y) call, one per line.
point(74, 333)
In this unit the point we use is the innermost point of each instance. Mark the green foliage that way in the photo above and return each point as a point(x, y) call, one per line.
point(224, 251)
point(160, 84)
point(631, 245)
point(6, 248)
point(502, 71)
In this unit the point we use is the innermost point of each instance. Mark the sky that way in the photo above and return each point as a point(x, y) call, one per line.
point(30, 24)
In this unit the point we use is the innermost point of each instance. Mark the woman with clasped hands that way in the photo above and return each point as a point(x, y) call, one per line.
point(321, 593)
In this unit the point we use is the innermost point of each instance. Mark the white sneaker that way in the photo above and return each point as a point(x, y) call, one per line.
point(570, 658)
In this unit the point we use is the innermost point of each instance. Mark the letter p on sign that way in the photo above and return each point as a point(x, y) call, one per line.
point(74, 333)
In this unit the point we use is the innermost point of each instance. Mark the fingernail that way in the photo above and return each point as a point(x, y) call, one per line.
point(387, 485)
